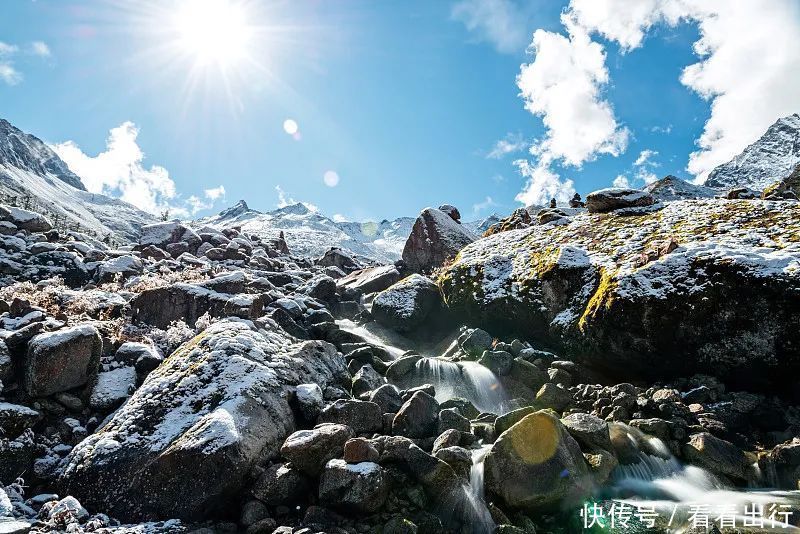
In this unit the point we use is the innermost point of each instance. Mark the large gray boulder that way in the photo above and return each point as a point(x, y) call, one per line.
point(700, 286)
point(407, 305)
point(24, 219)
point(369, 280)
point(613, 198)
point(435, 238)
point(168, 233)
point(61, 360)
point(185, 441)
point(535, 464)
point(360, 487)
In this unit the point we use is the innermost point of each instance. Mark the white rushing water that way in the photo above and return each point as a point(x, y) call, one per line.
point(466, 379)
point(686, 496)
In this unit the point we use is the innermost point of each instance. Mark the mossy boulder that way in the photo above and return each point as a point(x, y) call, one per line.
point(694, 286)
point(536, 464)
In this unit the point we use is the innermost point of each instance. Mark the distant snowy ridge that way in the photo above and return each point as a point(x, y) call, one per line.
point(771, 158)
point(32, 175)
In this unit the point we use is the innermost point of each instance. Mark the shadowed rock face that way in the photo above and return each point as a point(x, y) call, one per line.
point(211, 411)
point(723, 302)
point(435, 238)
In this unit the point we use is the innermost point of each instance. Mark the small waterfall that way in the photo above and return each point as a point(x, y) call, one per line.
point(661, 482)
point(466, 379)
point(375, 334)
point(481, 521)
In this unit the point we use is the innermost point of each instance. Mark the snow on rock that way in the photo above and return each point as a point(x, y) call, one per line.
point(763, 163)
point(165, 233)
point(407, 305)
point(672, 188)
point(124, 266)
point(112, 387)
point(24, 219)
point(613, 198)
point(61, 360)
point(213, 408)
point(435, 239)
point(698, 285)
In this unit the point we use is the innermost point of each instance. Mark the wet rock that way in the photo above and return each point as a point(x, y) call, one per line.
point(601, 464)
point(450, 418)
point(61, 360)
point(506, 421)
point(341, 258)
point(366, 379)
point(399, 525)
point(281, 484)
point(535, 464)
point(528, 374)
point(417, 418)
point(718, 455)
point(362, 416)
point(368, 280)
point(213, 408)
point(459, 458)
point(436, 476)
point(654, 426)
point(310, 450)
point(610, 199)
point(407, 305)
point(498, 361)
point(475, 341)
point(252, 512)
point(361, 487)
point(589, 430)
point(435, 238)
point(388, 398)
point(402, 366)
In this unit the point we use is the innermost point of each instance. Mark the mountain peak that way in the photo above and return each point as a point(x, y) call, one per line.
point(28, 153)
point(234, 211)
point(298, 208)
point(764, 162)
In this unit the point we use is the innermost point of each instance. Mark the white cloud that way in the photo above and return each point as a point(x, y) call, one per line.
point(215, 192)
point(119, 171)
point(9, 74)
point(510, 144)
point(40, 48)
point(621, 181)
point(499, 22)
point(542, 185)
point(645, 158)
point(748, 68)
point(487, 203)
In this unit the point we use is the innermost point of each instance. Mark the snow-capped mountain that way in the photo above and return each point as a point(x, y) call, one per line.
point(309, 233)
point(766, 161)
point(673, 188)
point(33, 176)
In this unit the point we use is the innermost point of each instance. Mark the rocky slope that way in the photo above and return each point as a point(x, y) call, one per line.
point(766, 161)
point(32, 176)
point(215, 381)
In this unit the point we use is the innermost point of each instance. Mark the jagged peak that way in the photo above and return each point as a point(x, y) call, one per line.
point(234, 211)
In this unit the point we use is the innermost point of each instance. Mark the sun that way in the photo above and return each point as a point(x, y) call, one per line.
point(213, 31)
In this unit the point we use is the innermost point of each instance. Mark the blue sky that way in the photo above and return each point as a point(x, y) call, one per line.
point(404, 101)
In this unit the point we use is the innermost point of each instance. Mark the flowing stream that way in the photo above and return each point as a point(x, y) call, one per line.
point(685, 498)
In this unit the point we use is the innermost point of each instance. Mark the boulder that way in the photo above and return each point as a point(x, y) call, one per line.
point(435, 238)
point(61, 360)
point(280, 484)
point(369, 280)
point(407, 305)
point(15, 419)
point(520, 218)
point(720, 303)
point(121, 266)
point(310, 450)
point(213, 408)
point(452, 211)
point(719, 456)
point(589, 430)
point(167, 233)
point(67, 265)
point(24, 219)
point(614, 198)
point(475, 341)
point(161, 306)
point(497, 361)
point(536, 464)
point(112, 388)
point(341, 258)
point(360, 487)
point(362, 416)
point(417, 417)
point(309, 400)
